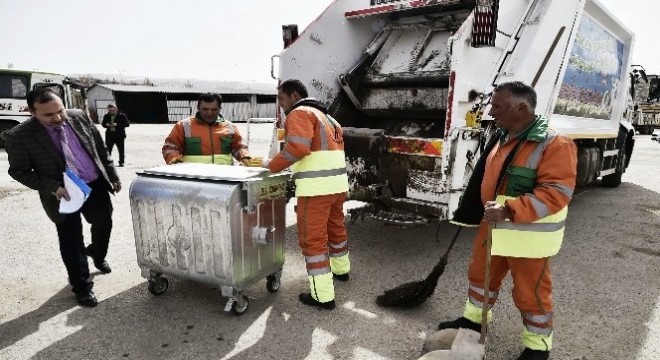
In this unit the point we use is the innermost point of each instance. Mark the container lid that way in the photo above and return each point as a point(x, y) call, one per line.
point(209, 172)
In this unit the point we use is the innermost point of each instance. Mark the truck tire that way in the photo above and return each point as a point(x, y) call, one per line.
point(614, 180)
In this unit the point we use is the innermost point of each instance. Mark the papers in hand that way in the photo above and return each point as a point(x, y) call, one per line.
point(78, 193)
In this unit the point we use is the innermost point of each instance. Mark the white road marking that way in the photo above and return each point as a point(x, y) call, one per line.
point(351, 306)
point(321, 339)
point(651, 347)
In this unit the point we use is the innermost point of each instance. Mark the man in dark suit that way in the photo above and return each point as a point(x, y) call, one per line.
point(39, 150)
point(115, 124)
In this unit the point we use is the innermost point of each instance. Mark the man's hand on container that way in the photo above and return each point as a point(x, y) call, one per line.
point(252, 161)
point(495, 212)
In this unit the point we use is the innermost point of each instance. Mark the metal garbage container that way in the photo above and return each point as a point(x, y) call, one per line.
point(217, 224)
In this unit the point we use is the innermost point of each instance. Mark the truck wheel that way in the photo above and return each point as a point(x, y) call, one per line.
point(158, 286)
point(614, 180)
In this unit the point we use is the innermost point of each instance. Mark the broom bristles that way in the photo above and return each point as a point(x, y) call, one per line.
point(414, 293)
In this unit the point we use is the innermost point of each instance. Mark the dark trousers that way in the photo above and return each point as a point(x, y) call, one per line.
point(97, 210)
point(112, 139)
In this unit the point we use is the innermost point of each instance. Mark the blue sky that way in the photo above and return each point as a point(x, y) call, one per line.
point(201, 39)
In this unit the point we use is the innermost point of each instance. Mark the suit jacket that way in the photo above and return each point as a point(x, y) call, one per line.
point(35, 162)
point(122, 123)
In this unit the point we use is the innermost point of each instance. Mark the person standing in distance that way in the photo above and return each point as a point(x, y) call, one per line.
point(314, 149)
point(39, 150)
point(115, 124)
point(206, 138)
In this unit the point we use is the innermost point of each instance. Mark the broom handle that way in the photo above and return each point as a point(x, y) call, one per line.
point(486, 303)
point(451, 244)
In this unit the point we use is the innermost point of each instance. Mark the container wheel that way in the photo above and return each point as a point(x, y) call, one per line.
point(272, 283)
point(158, 286)
point(240, 309)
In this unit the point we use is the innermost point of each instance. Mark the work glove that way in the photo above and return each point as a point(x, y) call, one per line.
point(252, 161)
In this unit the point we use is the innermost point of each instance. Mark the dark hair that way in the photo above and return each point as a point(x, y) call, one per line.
point(292, 85)
point(40, 95)
point(210, 97)
point(519, 90)
point(112, 106)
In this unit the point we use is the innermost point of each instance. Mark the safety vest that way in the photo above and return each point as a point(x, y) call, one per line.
point(193, 150)
point(322, 172)
point(541, 238)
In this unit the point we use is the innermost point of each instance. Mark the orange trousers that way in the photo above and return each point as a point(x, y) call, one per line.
point(321, 222)
point(532, 282)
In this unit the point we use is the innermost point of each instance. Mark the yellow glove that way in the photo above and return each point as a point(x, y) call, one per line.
point(252, 162)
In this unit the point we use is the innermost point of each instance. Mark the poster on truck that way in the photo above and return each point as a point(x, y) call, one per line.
point(593, 74)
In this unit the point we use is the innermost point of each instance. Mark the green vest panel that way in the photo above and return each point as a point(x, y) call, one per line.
point(321, 173)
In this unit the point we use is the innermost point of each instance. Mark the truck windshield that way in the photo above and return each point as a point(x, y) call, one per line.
point(654, 90)
point(13, 86)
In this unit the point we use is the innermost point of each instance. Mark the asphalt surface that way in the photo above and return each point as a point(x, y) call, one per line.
point(607, 293)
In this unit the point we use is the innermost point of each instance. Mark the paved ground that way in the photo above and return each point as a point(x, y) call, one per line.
point(606, 286)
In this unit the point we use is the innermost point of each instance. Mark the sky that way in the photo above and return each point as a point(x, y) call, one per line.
point(199, 39)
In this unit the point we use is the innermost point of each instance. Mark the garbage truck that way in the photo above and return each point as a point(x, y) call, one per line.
point(14, 86)
point(410, 82)
point(645, 115)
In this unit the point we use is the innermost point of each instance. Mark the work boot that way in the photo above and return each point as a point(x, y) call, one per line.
point(342, 277)
point(460, 323)
point(87, 299)
point(307, 299)
point(529, 354)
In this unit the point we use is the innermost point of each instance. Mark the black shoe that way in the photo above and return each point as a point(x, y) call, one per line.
point(103, 266)
point(529, 354)
point(460, 323)
point(87, 299)
point(307, 299)
point(342, 277)
point(121, 165)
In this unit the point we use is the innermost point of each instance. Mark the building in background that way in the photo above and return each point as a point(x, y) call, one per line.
point(163, 104)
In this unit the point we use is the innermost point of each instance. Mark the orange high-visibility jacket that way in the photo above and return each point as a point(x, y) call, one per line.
point(303, 130)
point(219, 138)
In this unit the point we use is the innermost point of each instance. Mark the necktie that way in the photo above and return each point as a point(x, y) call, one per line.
point(68, 154)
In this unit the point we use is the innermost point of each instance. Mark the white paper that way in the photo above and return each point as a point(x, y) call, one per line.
point(76, 194)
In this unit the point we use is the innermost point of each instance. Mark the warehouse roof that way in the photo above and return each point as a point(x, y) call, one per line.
point(259, 89)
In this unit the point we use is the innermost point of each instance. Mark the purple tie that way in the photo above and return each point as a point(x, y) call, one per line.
point(68, 154)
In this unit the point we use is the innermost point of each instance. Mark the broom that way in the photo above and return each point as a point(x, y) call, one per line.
point(415, 293)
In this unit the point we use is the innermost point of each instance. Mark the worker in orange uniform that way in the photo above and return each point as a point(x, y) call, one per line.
point(207, 137)
point(527, 177)
point(314, 149)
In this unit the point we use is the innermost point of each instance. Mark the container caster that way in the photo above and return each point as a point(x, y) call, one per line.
point(238, 305)
point(273, 282)
point(158, 286)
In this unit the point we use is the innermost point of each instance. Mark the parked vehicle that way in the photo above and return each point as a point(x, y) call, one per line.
point(410, 81)
point(14, 86)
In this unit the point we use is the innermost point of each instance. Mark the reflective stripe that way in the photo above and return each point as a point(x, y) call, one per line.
point(319, 173)
point(287, 155)
point(480, 291)
point(539, 330)
point(340, 245)
point(535, 227)
point(540, 319)
point(540, 208)
point(186, 128)
point(568, 192)
point(339, 254)
point(299, 140)
point(535, 156)
point(319, 271)
point(316, 258)
point(477, 303)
